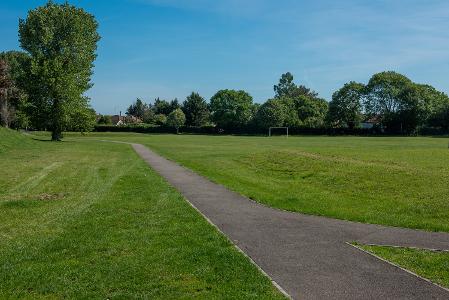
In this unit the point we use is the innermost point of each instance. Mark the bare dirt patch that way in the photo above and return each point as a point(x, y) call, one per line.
point(50, 197)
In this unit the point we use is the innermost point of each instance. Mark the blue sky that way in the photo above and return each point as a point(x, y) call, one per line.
point(168, 48)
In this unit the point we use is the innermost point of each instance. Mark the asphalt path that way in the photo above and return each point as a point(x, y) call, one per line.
point(309, 257)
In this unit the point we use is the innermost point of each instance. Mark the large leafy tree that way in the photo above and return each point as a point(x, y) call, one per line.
point(231, 108)
point(272, 113)
point(303, 107)
point(196, 110)
point(440, 118)
point(311, 111)
point(388, 96)
point(431, 103)
point(291, 112)
point(176, 119)
point(160, 119)
point(62, 41)
point(345, 109)
point(401, 104)
point(81, 118)
point(148, 116)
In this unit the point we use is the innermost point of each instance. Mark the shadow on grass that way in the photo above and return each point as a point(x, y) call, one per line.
point(46, 140)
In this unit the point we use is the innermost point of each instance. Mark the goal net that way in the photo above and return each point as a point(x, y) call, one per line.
point(273, 130)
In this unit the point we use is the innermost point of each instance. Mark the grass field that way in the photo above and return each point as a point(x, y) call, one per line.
point(90, 220)
point(428, 264)
point(394, 181)
point(99, 223)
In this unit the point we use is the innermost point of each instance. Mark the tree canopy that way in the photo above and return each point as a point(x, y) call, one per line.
point(287, 88)
point(15, 106)
point(176, 119)
point(345, 109)
point(6, 93)
point(231, 108)
point(161, 106)
point(137, 109)
point(386, 93)
point(61, 40)
point(196, 110)
point(303, 107)
point(271, 114)
point(401, 104)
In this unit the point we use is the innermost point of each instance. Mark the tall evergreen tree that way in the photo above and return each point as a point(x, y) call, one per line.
point(196, 110)
point(287, 88)
point(137, 109)
point(162, 107)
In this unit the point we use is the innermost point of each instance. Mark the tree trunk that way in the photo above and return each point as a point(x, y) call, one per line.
point(57, 121)
point(56, 135)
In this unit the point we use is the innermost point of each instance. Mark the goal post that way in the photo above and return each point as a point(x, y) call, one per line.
point(271, 128)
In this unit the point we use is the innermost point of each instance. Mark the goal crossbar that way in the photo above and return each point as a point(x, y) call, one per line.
point(269, 130)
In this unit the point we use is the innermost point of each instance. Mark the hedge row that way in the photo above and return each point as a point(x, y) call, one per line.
point(248, 130)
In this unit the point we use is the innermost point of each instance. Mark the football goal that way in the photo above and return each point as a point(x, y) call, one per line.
point(271, 129)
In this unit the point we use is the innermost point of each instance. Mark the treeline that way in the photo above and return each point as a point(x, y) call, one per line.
point(234, 110)
point(388, 103)
point(392, 102)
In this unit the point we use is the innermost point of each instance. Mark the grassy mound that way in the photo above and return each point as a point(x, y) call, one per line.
point(10, 138)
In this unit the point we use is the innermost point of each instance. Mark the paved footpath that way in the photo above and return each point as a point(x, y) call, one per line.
point(308, 256)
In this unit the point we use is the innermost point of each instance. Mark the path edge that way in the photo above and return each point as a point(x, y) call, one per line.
point(276, 285)
point(397, 266)
point(273, 282)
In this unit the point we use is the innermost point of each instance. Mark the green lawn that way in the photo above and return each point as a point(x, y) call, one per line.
point(91, 220)
point(385, 180)
point(429, 264)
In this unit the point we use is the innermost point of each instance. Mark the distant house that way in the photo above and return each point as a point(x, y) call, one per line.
point(118, 120)
point(370, 122)
point(132, 120)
